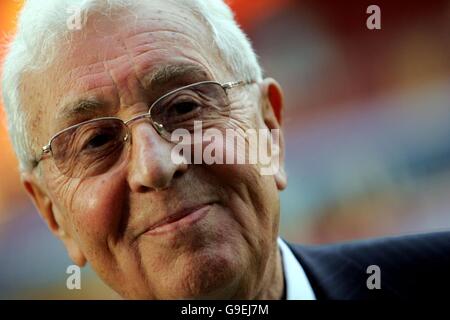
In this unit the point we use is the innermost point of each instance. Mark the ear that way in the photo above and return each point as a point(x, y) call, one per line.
point(272, 112)
point(53, 218)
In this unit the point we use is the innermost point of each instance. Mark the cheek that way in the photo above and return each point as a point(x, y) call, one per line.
point(94, 207)
point(253, 203)
point(252, 198)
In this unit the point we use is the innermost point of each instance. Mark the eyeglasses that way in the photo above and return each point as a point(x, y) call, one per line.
point(93, 147)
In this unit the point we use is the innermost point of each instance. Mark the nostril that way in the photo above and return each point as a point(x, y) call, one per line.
point(177, 174)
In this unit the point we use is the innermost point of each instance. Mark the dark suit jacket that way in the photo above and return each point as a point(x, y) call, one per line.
point(411, 267)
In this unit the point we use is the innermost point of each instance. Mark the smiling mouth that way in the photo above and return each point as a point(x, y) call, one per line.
point(182, 219)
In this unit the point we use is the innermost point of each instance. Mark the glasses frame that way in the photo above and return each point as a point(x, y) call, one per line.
point(46, 151)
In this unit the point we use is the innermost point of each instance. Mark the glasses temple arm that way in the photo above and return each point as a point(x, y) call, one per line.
point(235, 84)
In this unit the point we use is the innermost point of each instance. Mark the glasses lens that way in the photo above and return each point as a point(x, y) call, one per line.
point(89, 149)
point(205, 102)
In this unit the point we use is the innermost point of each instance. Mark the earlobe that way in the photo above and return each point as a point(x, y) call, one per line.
point(47, 211)
point(75, 253)
point(281, 179)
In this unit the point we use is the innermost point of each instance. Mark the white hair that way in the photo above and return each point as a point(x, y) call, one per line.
point(42, 24)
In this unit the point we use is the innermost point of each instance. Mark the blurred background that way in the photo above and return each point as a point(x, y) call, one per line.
point(367, 125)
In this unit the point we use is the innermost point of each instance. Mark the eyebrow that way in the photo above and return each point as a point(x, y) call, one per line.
point(167, 73)
point(154, 81)
point(80, 107)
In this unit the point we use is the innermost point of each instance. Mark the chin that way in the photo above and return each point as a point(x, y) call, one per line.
point(205, 275)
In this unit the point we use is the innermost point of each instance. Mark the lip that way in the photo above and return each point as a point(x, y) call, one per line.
point(181, 219)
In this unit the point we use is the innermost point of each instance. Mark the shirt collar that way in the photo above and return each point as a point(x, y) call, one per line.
point(296, 281)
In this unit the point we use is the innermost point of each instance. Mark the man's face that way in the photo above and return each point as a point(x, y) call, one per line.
point(224, 247)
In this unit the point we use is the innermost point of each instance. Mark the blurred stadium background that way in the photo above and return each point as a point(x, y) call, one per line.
point(367, 126)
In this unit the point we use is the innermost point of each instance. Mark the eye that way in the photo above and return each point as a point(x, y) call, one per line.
point(98, 141)
point(186, 107)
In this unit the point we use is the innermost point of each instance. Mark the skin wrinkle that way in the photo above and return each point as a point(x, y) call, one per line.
point(70, 111)
point(248, 238)
point(124, 221)
point(113, 241)
point(163, 34)
point(127, 54)
point(186, 26)
point(224, 255)
point(108, 69)
point(66, 186)
point(105, 66)
point(133, 63)
point(255, 209)
point(193, 40)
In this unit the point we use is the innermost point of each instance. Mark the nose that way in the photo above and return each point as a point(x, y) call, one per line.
point(151, 166)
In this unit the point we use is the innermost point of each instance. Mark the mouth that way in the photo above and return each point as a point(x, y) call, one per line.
point(179, 220)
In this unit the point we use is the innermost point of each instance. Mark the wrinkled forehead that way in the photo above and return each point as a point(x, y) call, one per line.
point(147, 34)
point(128, 41)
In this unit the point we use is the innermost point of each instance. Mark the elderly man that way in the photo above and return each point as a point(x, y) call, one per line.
point(92, 101)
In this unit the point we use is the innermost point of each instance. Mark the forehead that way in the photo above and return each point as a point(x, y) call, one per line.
point(110, 55)
point(160, 33)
